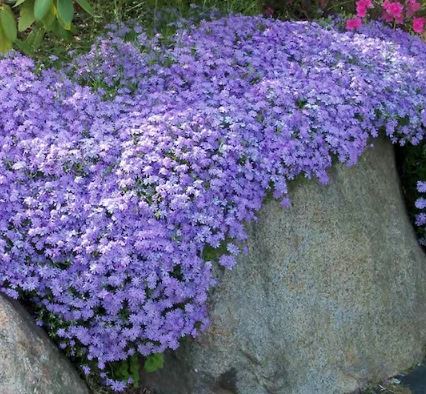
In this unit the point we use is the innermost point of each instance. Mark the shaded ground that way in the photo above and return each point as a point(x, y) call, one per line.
point(416, 380)
point(412, 382)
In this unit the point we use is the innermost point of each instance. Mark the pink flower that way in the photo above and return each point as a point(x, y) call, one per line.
point(386, 17)
point(419, 24)
point(393, 10)
point(412, 7)
point(362, 7)
point(353, 23)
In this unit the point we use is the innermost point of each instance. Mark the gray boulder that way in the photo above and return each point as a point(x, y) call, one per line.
point(29, 362)
point(332, 294)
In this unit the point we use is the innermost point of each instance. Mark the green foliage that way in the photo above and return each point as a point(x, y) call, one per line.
point(32, 19)
point(131, 368)
point(8, 23)
point(213, 254)
point(154, 362)
point(41, 8)
point(307, 9)
point(85, 5)
point(54, 20)
point(27, 17)
point(126, 369)
point(65, 13)
point(8, 29)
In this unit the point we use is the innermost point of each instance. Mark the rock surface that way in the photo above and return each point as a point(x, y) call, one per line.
point(29, 362)
point(332, 294)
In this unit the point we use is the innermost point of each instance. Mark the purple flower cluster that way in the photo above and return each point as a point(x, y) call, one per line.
point(421, 205)
point(119, 174)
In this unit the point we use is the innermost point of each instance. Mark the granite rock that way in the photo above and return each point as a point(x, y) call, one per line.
point(331, 295)
point(29, 362)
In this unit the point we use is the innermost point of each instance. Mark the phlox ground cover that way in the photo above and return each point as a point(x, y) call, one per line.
point(127, 174)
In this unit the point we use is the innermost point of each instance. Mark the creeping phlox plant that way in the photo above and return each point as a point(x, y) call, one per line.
point(122, 176)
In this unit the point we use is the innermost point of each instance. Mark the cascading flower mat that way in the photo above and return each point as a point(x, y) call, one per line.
point(120, 175)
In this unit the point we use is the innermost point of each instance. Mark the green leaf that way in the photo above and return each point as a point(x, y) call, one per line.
point(86, 6)
point(19, 2)
point(121, 370)
point(35, 37)
point(5, 43)
point(41, 7)
point(135, 370)
point(59, 30)
point(65, 12)
point(23, 46)
point(49, 19)
point(154, 362)
point(26, 18)
point(8, 23)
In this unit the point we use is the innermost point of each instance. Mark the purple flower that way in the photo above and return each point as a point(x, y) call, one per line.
point(421, 216)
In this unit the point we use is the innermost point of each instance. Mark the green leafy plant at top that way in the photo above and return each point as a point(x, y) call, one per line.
point(24, 23)
point(52, 35)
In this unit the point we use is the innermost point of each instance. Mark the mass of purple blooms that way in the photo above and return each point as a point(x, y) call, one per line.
point(120, 172)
